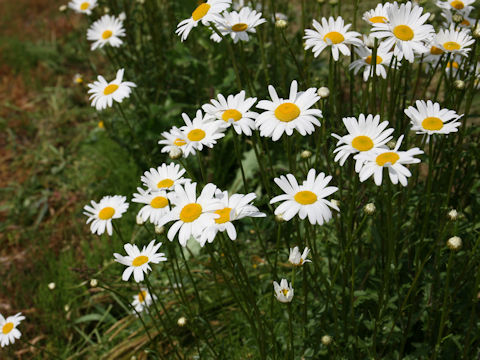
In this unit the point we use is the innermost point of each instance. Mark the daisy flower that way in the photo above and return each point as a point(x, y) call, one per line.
point(406, 31)
point(138, 262)
point(107, 30)
point(467, 21)
point(454, 41)
point(364, 134)
point(101, 214)
point(201, 131)
point(307, 199)
point(9, 332)
point(235, 111)
point(377, 15)
point(103, 92)
point(457, 5)
point(394, 160)
point(164, 177)
point(365, 62)
point(285, 115)
point(205, 12)
point(157, 204)
point(433, 55)
point(238, 24)
point(284, 291)
point(173, 139)
point(428, 118)
point(298, 259)
point(142, 300)
point(454, 65)
point(331, 32)
point(82, 6)
point(234, 207)
point(192, 214)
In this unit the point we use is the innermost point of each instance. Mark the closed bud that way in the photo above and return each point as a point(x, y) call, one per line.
point(93, 282)
point(122, 16)
point(452, 215)
point(454, 243)
point(106, 9)
point(182, 321)
point(62, 8)
point(139, 220)
point(326, 340)
point(323, 92)
point(369, 208)
point(457, 18)
point(306, 154)
point(159, 229)
point(66, 308)
point(51, 286)
point(432, 17)
point(333, 2)
point(281, 24)
point(175, 153)
point(476, 33)
point(459, 84)
point(279, 218)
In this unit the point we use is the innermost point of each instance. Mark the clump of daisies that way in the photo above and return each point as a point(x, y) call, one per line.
point(103, 93)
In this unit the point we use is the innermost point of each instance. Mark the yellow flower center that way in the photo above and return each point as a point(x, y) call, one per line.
point(159, 202)
point(452, 64)
point(403, 32)
point(284, 292)
point(362, 143)
point(84, 6)
point(7, 328)
point(110, 89)
point(190, 212)
point(224, 215)
point(378, 19)
point(179, 142)
point(432, 123)
point(388, 157)
point(368, 60)
point(239, 27)
point(457, 4)
point(305, 197)
point(106, 213)
point(140, 260)
point(465, 22)
point(200, 11)
point(106, 34)
point(78, 79)
point(101, 125)
point(165, 183)
point(196, 135)
point(287, 112)
point(334, 36)
point(231, 114)
point(451, 46)
point(142, 295)
point(436, 51)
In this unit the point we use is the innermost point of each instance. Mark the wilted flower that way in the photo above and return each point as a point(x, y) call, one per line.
point(298, 259)
point(284, 291)
point(454, 243)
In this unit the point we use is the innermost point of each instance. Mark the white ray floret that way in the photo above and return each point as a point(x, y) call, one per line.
point(331, 33)
point(238, 25)
point(103, 93)
point(164, 177)
point(204, 13)
point(306, 200)
point(234, 207)
point(405, 32)
point(234, 111)
point(101, 214)
point(393, 160)
point(364, 134)
point(285, 115)
point(138, 261)
point(429, 118)
point(8, 329)
point(107, 30)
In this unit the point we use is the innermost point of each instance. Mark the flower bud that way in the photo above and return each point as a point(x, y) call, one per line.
point(326, 340)
point(106, 9)
point(159, 229)
point(323, 92)
point(457, 18)
point(306, 154)
point(454, 243)
point(452, 215)
point(62, 8)
point(279, 218)
point(369, 209)
point(122, 16)
point(476, 33)
point(333, 2)
point(335, 202)
point(51, 286)
point(139, 220)
point(281, 24)
point(66, 308)
point(93, 282)
point(459, 84)
point(175, 153)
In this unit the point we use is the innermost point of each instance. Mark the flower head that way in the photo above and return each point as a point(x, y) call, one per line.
point(142, 300)
point(377, 15)
point(428, 118)
point(238, 24)
point(298, 259)
point(454, 41)
point(8, 329)
point(284, 291)
point(82, 6)
point(107, 30)
point(138, 261)
point(103, 93)
point(156, 204)
point(164, 177)
point(367, 62)
point(101, 214)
